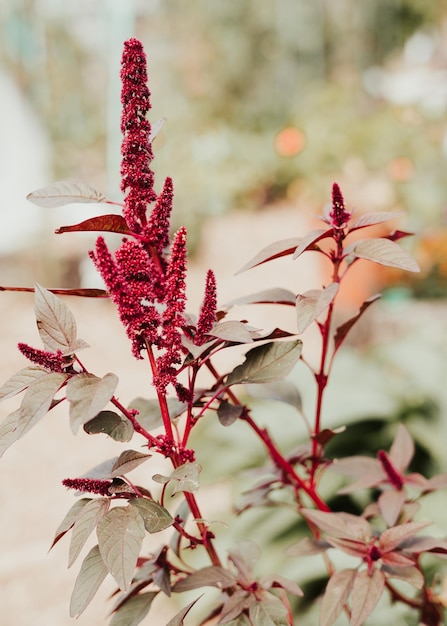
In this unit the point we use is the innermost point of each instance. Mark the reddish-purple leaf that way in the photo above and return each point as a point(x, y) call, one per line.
point(211, 576)
point(391, 504)
point(410, 575)
point(228, 413)
point(394, 536)
point(128, 461)
point(84, 293)
point(309, 241)
point(178, 619)
point(85, 523)
point(120, 536)
point(327, 434)
point(92, 573)
point(21, 381)
point(366, 593)
point(280, 582)
point(69, 519)
point(313, 303)
point(349, 546)
point(402, 449)
point(385, 252)
point(88, 395)
point(339, 524)
point(437, 482)
point(344, 329)
point(102, 223)
point(336, 596)
point(276, 295)
point(134, 610)
point(308, 547)
point(232, 330)
point(285, 247)
point(370, 219)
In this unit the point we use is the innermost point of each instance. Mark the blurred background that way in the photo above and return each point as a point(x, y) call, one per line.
point(267, 104)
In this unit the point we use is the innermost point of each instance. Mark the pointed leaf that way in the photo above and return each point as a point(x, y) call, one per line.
point(128, 461)
point(339, 524)
point(270, 611)
point(156, 128)
point(55, 321)
point(212, 576)
point(370, 219)
point(110, 423)
point(391, 504)
point(155, 516)
point(178, 619)
point(185, 478)
point(275, 250)
point(366, 593)
point(149, 415)
point(384, 252)
point(312, 304)
point(21, 380)
point(69, 519)
point(308, 547)
point(267, 363)
point(92, 573)
point(134, 610)
point(244, 557)
point(344, 329)
point(281, 390)
point(88, 395)
point(102, 470)
point(228, 413)
point(232, 330)
point(276, 581)
point(336, 595)
point(102, 223)
point(88, 519)
point(120, 536)
point(310, 240)
point(410, 575)
point(9, 432)
point(402, 449)
point(37, 401)
point(65, 192)
point(392, 537)
point(276, 295)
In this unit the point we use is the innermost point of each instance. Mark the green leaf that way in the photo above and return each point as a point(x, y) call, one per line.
point(92, 573)
point(110, 423)
point(178, 619)
point(281, 390)
point(134, 610)
point(65, 192)
point(384, 252)
point(37, 401)
point(88, 395)
point(267, 363)
point(88, 519)
point(155, 516)
point(69, 519)
point(128, 461)
point(185, 478)
point(55, 321)
point(212, 576)
point(21, 380)
point(275, 250)
point(120, 536)
point(313, 303)
point(101, 223)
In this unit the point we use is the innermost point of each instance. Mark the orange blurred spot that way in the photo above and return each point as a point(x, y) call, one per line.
point(400, 169)
point(290, 141)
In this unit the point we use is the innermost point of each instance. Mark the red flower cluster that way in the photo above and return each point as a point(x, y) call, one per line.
point(53, 361)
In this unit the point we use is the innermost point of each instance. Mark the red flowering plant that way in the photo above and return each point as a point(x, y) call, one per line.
point(145, 277)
